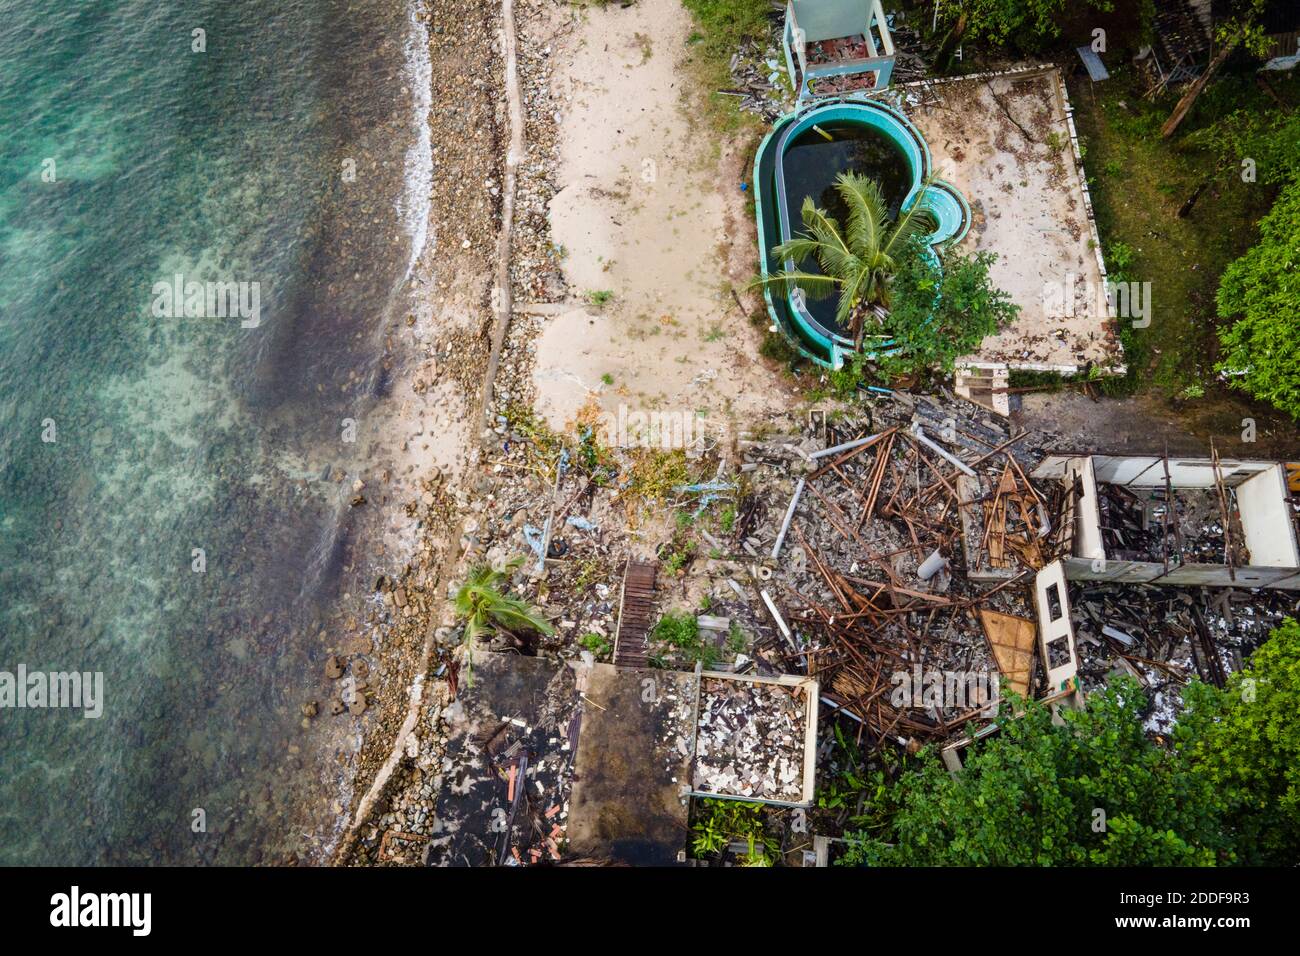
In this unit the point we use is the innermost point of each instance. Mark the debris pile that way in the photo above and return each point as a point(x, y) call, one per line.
point(761, 83)
point(837, 50)
point(1155, 634)
point(751, 740)
point(1173, 525)
point(503, 783)
point(847, 83)
point(759, 79)
point(873, 565)
point(1164, 637)
point(1016, 518)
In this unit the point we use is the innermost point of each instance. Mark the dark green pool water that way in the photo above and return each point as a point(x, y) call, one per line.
point(811, 164)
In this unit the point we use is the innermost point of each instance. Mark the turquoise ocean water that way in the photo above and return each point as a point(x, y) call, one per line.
point(128, 439)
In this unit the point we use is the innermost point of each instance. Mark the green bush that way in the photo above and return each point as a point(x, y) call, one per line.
point(1028, 25)
point(940, 315)
point(726, 24)
point(719, 822)
point(1244, 743)
point(682, 632)
point(1262, 291)
point(1094, 792)
point(598, 645)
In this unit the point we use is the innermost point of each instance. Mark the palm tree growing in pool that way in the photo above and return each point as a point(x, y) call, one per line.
point(858, 260)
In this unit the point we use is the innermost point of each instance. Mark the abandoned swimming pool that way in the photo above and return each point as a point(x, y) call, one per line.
point(801, 156)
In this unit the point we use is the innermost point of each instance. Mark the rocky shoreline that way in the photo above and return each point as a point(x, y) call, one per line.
point(483, 511)
point(470, 129)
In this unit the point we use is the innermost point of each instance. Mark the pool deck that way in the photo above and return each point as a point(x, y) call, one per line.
point(1007, 142)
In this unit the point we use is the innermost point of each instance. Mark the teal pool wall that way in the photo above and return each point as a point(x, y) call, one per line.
point(824, 345)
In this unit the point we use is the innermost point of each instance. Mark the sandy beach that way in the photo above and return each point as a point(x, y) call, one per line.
point(614, 306)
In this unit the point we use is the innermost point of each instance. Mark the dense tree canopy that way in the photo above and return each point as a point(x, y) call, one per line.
point(1099, 791)
point(1259, 294)
point(1261, 290)
point(1026, 24)
point(1244, 742)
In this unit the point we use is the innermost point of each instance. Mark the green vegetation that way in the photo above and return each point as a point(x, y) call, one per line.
point(1263, 288)
point(681, 632)
point(937, 314)
point(846, 379)
point(545, 447)
point(677, 557)
point(1260, 290)
point(854, 794)
point(942, 314)
point(521, 418)
point(1094, 792)
point(857, 261)
point(736, 639)
point(590, 570)
point(1098, 792)
point(599, 297)
point(656, 473)
point(484, 607)
point(678, 630)
point(727, 520)
point(777, 347)
point(596, 643)
point(721, 822)
point(1243, 742)
point(721, 28)
point(1027, 25)
point(1140, 183)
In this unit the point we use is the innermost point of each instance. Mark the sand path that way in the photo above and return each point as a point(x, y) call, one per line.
point(642, 214)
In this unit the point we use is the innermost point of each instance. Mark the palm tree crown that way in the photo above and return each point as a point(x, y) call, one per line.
point(859, 261)
point(484, 608)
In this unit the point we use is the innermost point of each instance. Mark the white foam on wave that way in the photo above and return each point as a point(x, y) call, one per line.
point(413, 204)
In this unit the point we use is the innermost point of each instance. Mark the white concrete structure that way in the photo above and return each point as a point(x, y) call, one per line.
point(1260, 488)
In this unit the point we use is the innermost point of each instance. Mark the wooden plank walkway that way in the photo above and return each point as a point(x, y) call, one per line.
point(635, 614)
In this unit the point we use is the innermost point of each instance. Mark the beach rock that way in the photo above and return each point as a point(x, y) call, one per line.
point(310, 709)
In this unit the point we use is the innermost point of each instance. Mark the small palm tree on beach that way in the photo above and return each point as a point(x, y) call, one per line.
point(858, 261)
point(481, 602)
